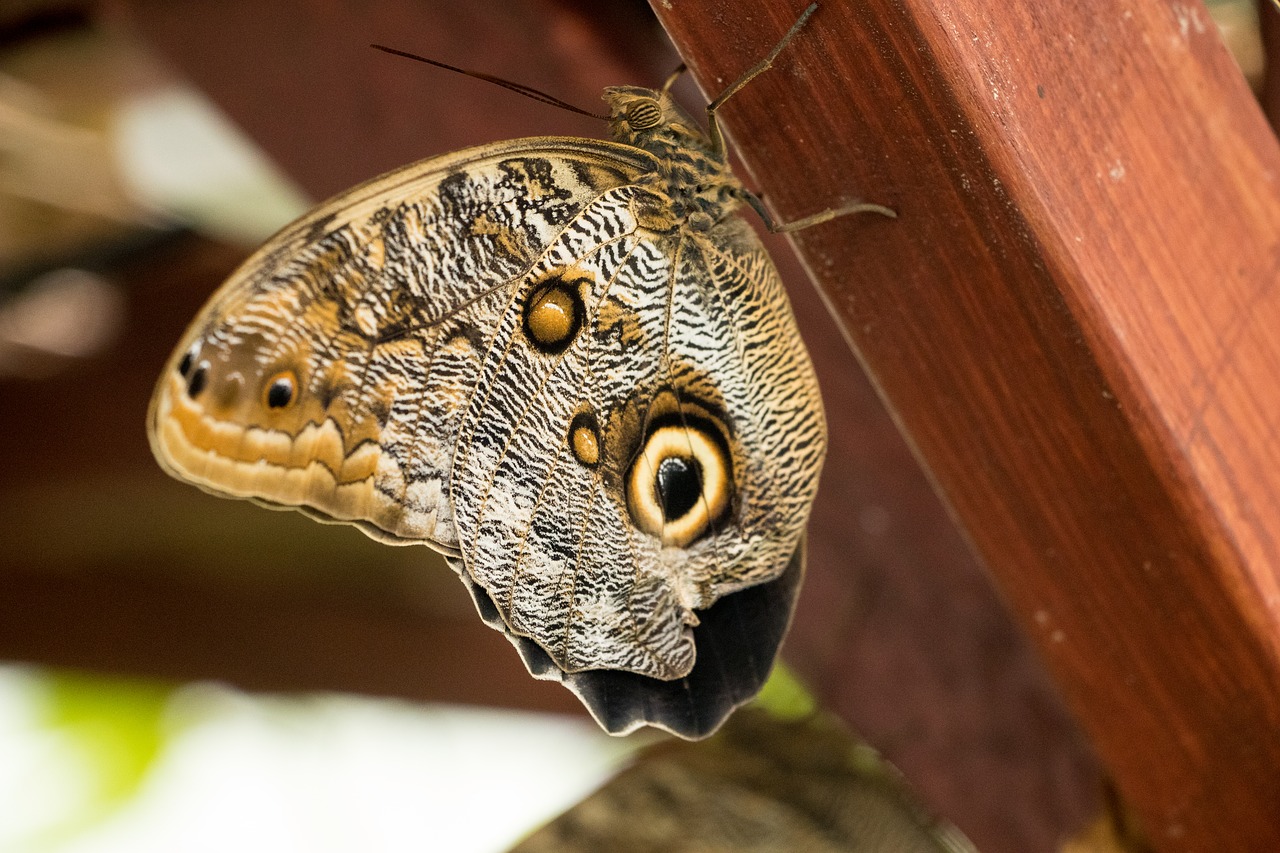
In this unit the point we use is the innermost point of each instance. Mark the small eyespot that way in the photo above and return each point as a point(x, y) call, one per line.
point(681, 484)
point(644, 114)
point(584, 439)
point(553, 314)
point(280, 389)
point(197, 380)
point(188, 358)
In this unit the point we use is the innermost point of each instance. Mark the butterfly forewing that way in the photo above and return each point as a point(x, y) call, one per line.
point(373, 311)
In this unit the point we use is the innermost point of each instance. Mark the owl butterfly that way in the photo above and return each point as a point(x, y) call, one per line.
point(564, 363)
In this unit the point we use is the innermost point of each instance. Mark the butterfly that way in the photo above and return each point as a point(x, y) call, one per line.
point(567, 364)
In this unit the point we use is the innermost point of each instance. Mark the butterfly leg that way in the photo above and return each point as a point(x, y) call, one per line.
point(717, 138)
point(815, 219)
point(717, 141)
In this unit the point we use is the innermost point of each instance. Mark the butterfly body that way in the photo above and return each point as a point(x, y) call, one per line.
point(567, 364)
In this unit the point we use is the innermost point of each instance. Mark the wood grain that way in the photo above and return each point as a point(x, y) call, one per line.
point(1074, 320)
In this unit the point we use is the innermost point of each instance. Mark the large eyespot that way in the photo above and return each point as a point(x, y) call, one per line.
point(554, 312)
point(643, 114)
point(280, 389)
point(681, 484)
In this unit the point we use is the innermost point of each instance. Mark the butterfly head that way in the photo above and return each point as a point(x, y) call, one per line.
point(653, 121)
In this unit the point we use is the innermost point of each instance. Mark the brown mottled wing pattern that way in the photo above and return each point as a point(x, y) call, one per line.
point(737, 639)
point(693, 316)
point(377, 308)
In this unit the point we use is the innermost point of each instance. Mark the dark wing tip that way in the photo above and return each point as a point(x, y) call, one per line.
point(737, 640)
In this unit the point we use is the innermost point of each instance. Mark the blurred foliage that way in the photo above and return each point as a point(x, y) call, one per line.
point(116, 726)
point(785, 696)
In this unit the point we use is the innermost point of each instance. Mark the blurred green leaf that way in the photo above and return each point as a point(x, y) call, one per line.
point(116, 726)
point(785, 696)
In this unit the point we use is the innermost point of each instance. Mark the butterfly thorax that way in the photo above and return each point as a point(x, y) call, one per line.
point(691, 173)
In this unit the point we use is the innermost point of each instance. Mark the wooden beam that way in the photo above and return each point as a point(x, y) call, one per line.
point(1075, 319)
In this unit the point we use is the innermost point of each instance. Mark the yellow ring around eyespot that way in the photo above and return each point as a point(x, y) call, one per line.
point(644, 502)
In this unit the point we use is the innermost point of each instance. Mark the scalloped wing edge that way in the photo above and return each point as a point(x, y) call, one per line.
point(737, 642)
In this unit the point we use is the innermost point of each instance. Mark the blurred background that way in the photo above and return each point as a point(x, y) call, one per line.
point(183, 672)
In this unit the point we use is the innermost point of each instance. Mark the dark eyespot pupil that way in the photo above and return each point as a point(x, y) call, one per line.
point(679, 486)
point(197, 381)
point(280, 393)
point(185, 365)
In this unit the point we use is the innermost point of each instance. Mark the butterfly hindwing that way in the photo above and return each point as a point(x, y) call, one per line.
point(668, 334)
point(546, 532)
point(737, 640)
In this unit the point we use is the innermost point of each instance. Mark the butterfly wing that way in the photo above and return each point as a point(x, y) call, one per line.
point(737, 640)
point(330, 371)
point(497, 353)
point(622, 470)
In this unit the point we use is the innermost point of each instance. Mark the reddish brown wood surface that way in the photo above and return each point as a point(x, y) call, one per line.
point(1075, 319)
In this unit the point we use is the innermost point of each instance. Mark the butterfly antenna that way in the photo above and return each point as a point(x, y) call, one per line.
point(518, 88)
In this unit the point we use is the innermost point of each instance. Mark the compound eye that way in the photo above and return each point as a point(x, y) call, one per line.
point(644, 114)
